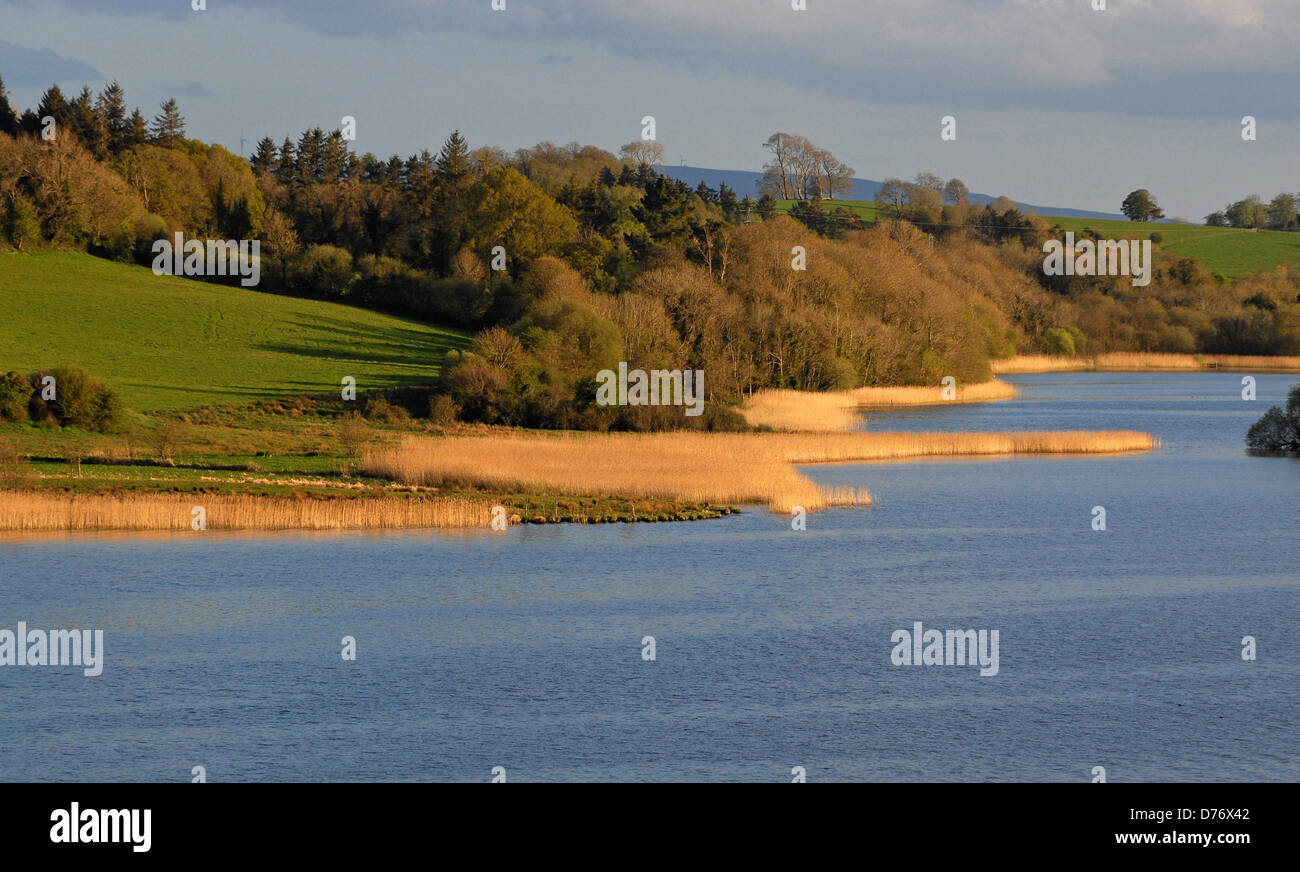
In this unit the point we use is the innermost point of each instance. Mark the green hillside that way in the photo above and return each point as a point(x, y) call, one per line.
point(170, 343)
point(1229, 251)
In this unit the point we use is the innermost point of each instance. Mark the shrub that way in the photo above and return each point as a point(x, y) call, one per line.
point(78, 401)
point(1278, 430)
point(443, 410)
point(353, 434)
point(15, 471)
point(1059, 341)
point(15, 396)
point(169, 437)
point(381, 410)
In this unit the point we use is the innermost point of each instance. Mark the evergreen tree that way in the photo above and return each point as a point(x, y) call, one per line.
point(138, 130)
point(452, 165)
point(111, 107)
point(87, 124)
point(169, 125)
point(52, 105)
point(311, 158)
point(287, 168)
point(727, 200)
point(264, 159)
point(9, 122)
point(334, 157)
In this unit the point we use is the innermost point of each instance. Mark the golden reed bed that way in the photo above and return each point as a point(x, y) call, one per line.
point(723, 468)
point(1125, 360)
point(835, 411)
point(32, 512)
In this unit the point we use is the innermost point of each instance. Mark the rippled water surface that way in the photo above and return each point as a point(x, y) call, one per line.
point(1119, 648)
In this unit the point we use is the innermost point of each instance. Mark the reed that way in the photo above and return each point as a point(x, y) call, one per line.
point(703, 467)
point(834, 411)
point(1141, 360)
point(32, 511)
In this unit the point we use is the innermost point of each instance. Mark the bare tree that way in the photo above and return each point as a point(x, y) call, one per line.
point(955, 193)
point(642, 153)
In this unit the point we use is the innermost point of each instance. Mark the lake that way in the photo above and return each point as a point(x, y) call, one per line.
point(773, 647)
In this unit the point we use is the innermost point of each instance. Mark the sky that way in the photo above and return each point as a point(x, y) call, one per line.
point(1056, 102)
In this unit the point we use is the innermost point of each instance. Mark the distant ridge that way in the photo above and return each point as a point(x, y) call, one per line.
point(744, 182)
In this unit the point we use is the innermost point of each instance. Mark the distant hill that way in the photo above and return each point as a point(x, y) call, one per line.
point(744, 182)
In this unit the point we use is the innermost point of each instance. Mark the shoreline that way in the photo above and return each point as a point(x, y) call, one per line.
point(453, 482)
point(1124, 361)
point(837, 411)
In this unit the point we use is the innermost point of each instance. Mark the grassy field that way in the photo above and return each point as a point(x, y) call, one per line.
point(166, 343)
point(1231, 252)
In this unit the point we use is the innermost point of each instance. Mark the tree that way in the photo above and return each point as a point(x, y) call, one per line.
point(1282, 212)
point(139, 130)
point(52, 105)
point(505, 208)
point(1216, 219)
point(87, 124)
point(111, 106)
point(893, 195)
point(838, 176)
point(929, 180)
point(264, 159)
point(956, 193)
point(452, 165)
point(727, 200)
point(1141, 206)
point(21, 225)
point(795, 171)
point(9, 121)
point(169, 125)
point(642, 154)
point(1249, 213)
point(1278, 430)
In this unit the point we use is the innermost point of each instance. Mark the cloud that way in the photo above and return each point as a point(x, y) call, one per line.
point(1210, 57)
point(20, 65)
point(555, 59)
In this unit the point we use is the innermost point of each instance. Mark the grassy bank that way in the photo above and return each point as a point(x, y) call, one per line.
point(835, 411)
point(1136, 361)
point(290, 464)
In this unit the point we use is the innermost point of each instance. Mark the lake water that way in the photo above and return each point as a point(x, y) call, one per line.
point(523, 650)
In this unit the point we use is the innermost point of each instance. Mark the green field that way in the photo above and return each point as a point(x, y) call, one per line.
point(1228, 251)
point(166, 343)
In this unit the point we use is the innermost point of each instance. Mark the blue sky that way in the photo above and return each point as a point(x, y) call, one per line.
point(1055, 103)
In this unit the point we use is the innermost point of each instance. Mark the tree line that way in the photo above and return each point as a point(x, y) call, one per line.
point(1280, 213)
point(566, 259)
